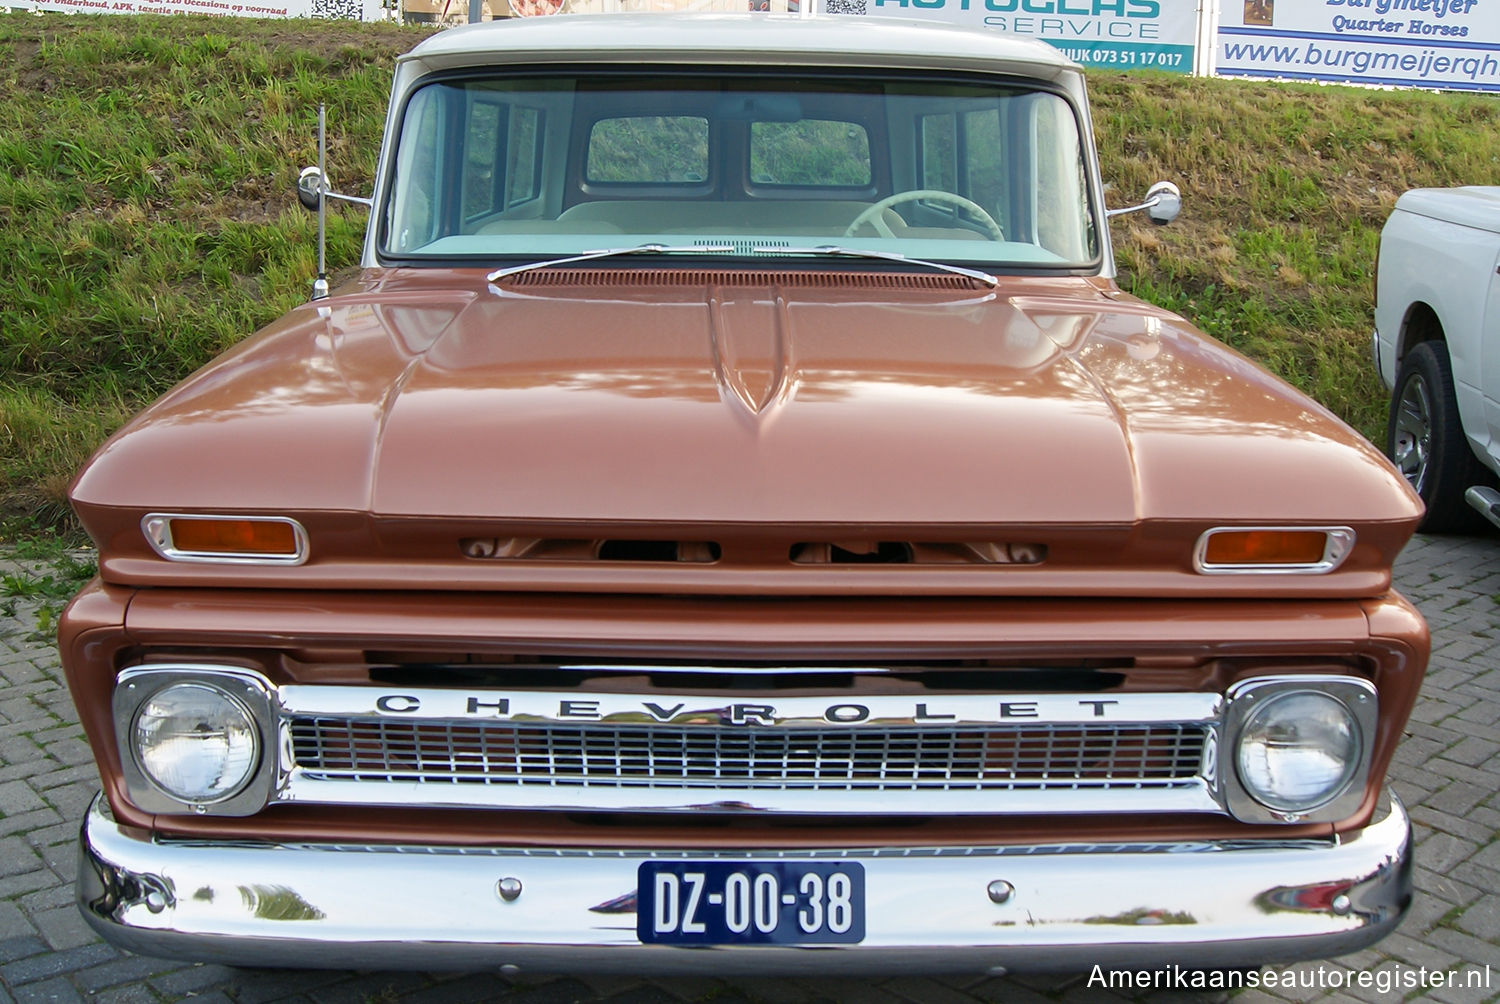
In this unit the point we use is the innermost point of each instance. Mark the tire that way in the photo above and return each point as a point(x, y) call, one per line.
point(1424, 438)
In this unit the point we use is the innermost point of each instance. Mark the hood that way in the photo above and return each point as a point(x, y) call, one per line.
point(1475, 206)
point(743, 397)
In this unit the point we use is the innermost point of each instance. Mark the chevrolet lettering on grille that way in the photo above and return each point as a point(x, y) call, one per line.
point(706, 710)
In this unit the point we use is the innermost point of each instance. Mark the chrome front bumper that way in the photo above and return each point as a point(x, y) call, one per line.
point(1193, 904)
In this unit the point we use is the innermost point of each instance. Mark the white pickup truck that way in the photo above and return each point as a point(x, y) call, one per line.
point(1437, 347)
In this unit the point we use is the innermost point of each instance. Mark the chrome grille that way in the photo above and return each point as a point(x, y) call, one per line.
point(991, 758)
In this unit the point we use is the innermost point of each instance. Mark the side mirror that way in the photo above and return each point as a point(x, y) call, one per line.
point(308, 183)
point(1163, 203)
point(307, 190)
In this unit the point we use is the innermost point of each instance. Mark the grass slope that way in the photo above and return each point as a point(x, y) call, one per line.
point(147, 220)
point(1285, 188)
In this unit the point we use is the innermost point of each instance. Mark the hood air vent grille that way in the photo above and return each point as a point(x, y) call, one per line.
point(736, 277)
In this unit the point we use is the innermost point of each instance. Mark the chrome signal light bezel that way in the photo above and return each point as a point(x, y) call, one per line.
point(157, 529)
point(1338, 543)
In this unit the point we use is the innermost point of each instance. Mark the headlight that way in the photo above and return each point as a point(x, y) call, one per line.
point(1298, 750)
point(195, 742)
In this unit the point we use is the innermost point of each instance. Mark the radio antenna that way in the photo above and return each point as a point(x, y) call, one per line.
point(320, 285)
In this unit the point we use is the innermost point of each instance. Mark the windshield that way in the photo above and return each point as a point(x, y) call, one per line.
point(504, 169)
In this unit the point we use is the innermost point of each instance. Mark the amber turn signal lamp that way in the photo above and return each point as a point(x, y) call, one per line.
point(1273, 549)
point(1266, 547)
point(255, 539)
point(233, 536)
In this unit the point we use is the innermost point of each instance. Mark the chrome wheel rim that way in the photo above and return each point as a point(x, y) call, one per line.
point(1411, 445)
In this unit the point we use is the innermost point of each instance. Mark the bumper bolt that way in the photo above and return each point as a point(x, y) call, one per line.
point(156, 900)
point(1341, 905)
point(508, 889)
point(1000, 891)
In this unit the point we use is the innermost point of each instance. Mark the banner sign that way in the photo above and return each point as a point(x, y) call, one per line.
point(354, 10)
point(1450, 44)
point(1121, 34)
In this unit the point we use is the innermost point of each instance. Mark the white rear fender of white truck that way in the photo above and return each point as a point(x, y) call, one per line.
point(1437, 278)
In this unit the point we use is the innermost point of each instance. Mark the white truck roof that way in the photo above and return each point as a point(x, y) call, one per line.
point(750, 39)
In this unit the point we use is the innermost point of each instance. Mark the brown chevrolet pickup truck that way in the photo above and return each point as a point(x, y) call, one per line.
point(733, 522)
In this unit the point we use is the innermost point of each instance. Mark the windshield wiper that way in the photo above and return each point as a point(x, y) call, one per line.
point(834, 250)
point(501, 273)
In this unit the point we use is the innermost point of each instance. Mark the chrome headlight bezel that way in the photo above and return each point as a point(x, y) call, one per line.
point(247, 690)
point(1358, 699)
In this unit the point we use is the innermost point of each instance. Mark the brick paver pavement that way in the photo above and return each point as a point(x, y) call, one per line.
point(1446, 770)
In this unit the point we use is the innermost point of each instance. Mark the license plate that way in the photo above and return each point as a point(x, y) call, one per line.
point(750, 902)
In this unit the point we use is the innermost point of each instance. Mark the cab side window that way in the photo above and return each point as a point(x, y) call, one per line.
point(503, 146)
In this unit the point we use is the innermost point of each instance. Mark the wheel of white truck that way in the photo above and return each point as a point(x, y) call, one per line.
point(1425, 439)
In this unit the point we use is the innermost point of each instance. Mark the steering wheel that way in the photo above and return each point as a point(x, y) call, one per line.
point(872, 215)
